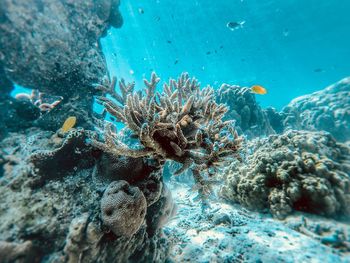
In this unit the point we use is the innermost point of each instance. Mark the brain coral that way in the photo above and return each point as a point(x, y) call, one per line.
point(298, 170)
point(123, 208)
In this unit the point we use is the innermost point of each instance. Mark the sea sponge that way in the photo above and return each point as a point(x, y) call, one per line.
point(123, 208)
point(298, 170)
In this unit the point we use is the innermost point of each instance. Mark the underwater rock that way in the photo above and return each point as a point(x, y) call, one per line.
point(275, 118)
point(58, 42)
point(112, 168)
point(123, 208)
point(53, 46)
point(161, 212)
point(73, 154)
point(62, 218)
point(17, 252)
point(250, 119)
point(298, 170)
point(6, 85)
point(327, 110)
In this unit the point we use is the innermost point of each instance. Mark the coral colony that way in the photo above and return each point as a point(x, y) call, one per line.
point(183, 123)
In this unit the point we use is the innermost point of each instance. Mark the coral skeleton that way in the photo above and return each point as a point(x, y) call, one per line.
point(182, 123)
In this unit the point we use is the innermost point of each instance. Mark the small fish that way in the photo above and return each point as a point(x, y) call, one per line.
point(257, 89)
point(169, 42)
point(69, 123)
point(131, 72)
point(318, 70)
point(176, 61)
point(141, 11)
point(235, 25)
point(208, 53)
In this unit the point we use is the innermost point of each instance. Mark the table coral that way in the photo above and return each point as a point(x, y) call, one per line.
point(183, 123)
point(298, 170)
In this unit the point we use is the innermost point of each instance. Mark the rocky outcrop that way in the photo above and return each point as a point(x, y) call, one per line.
point(66, 218)
point(327, 110)
point(251, 120)
point(298, 170)
point(53, 46)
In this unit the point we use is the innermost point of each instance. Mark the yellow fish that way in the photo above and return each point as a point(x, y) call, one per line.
point(257, 89)
point(69, 123)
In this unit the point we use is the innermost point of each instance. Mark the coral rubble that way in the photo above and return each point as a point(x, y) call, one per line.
point(298, 170)
point(327, 110)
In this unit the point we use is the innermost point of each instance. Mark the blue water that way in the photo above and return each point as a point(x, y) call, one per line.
point(291, 47)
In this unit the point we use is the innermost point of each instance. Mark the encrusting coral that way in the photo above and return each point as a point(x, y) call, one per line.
point(183, 123)
point(298, 170)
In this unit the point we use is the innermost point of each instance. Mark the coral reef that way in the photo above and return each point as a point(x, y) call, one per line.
point(161, 212)
point(298, 170)
point(183, 124)
point(243, 108)
point(123, 208)
point(59, 54)
point(62, 218)
point(72, 153)
point(327, 110)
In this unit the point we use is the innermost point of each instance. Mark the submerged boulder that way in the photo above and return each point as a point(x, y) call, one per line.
point(53, 45)
point(327, 110)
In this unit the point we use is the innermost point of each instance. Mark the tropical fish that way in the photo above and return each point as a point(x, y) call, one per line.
point(235, 25)
point(69, 123)
point(257, 89)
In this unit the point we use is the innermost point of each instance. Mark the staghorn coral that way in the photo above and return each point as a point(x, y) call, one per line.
point(298, 170)
point(123, 208)
point(251, 119)
point(183, 123)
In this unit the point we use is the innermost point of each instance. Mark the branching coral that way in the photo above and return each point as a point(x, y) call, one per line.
point(39, 100)
point(182, 123)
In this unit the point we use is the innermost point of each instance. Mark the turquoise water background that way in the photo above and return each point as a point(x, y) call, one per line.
point(291, 47)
